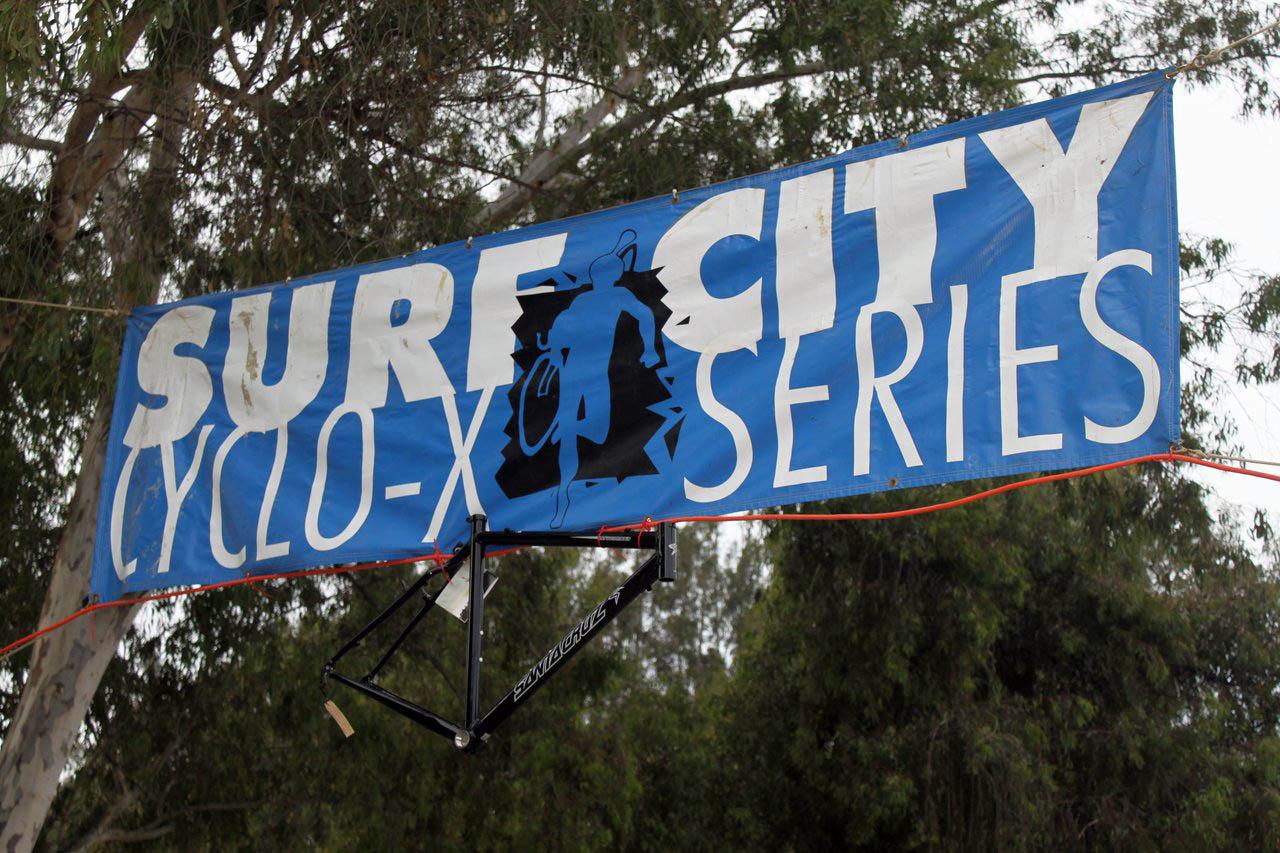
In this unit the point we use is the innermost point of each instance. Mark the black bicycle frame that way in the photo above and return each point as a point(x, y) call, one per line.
point(476, 727)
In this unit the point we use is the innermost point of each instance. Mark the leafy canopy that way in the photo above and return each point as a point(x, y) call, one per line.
point(1092, 663)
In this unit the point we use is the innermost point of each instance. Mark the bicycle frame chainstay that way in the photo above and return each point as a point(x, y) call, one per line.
point(476, 728)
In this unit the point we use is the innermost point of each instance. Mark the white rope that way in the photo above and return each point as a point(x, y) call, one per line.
point(1214, 56)
point(85, 309)
point(1244, 460)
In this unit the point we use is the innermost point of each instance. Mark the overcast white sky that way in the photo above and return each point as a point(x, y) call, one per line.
point(1229, 187)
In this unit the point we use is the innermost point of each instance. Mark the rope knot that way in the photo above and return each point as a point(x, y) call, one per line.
point(440, 560)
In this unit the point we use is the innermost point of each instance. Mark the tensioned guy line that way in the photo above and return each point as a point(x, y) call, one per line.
point(80, 309)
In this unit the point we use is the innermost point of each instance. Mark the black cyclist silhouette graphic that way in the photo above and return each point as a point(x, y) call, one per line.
point(593, 400)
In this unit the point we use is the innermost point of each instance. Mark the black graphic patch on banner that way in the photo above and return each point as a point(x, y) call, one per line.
point(643, 422)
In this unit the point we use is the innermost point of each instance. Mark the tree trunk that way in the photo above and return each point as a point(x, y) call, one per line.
point(66, 666)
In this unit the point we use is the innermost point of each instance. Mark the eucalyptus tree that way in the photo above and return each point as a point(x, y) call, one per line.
point(160, 148)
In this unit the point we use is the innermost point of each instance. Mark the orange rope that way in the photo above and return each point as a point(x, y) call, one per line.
point(254, 579)
point(647, 523)
point(951, 504)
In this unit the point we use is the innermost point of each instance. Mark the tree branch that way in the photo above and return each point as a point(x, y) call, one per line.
point(27, 140)
point(555, 75)
point(685, 98)
point(546, 164)
point(578, 140)
point(130, 836)
point(72, 194)
point(161, 826)
point(1086, 72)
point(66, 168)
point(413, 153)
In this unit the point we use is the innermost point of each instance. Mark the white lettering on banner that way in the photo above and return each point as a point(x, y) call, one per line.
point(1011, 358)
point(1122, 346)
point(901, 188)
point(699, 321)
point(217, 544)
point(1063, 186)
point(250, 401)
point(806, 270)
point(784, 397)
point(494, 307)
point(315, 538)
point(728, 419)
point(955, 373)
point(881, 387)
point(265, 550)
point(183, 380)
point(268, 550)
point(118, 500)
point(379, 348)
point(461, 461)
point(175, 493)
point(806, 283)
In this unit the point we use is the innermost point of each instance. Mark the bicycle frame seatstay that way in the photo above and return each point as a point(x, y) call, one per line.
point(476, 728)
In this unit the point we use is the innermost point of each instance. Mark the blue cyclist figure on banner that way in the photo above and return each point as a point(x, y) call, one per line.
point(582, 355)
point(585, 392)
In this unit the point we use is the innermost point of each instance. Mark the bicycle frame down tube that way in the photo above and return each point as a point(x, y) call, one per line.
point(561, 653)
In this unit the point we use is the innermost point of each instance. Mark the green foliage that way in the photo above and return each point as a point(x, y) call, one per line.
point(1069, 667)
point(24, 47)
point(1088, 665)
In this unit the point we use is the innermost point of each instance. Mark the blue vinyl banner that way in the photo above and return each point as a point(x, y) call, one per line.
point(991, 297)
